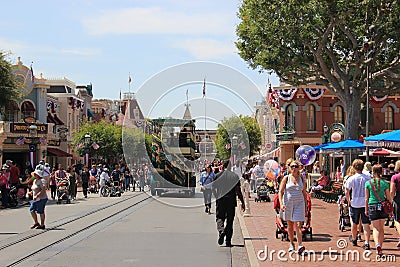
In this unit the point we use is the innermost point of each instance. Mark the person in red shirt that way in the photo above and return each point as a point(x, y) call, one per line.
point(14, 174)
point(322, 182)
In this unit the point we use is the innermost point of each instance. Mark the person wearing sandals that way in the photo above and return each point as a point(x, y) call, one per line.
point(376, 191)
point(293, 199)
point(39, 201)
point(395, 194)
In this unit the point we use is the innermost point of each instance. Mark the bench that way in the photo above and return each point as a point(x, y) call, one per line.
point(331, 195)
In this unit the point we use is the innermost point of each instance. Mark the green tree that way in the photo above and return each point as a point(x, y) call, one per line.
point(8, 83)
point(107, 135)
point(326, 42)
point(136, 145)
point(247, 131)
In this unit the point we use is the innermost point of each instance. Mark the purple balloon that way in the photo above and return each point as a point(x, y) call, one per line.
point(305, 155)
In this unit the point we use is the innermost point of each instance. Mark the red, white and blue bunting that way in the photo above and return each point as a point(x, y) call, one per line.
point(314, 93)
point(287, 94)
point(379, 99)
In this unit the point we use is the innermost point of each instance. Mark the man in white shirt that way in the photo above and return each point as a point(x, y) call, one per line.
point(356, 184)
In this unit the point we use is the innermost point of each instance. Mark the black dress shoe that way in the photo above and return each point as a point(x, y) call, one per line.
point(221, 238)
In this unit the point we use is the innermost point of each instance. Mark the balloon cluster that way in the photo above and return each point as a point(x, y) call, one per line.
point(271, 169)
point(305, 155)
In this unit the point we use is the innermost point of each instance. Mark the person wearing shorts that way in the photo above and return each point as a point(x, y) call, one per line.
point(39, 200)
point(356, 184)
point(376, 191)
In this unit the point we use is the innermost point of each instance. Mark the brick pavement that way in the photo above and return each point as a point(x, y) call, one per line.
point(259, 234)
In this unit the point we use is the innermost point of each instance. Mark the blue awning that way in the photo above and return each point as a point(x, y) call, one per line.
point(90, 113)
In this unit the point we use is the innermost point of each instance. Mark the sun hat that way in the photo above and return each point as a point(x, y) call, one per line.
point(38, 172)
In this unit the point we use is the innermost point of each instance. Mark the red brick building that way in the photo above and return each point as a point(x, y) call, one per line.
point(304, 111)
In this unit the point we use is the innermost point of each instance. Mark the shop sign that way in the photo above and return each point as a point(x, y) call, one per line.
point(17, 127)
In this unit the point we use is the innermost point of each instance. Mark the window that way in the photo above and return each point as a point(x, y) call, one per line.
point(289, 118)
point(27, 109)
point(310, 117)
point(339, 114)
point(389, 125)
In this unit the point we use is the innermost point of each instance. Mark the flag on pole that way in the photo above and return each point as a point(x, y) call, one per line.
point(95, 146)
point(227, 146)
point(43, 141)
point(204, 88)
point(79, 146)
point(20, 141)
point(120, 94)
point(129, 80)
point(187, 92)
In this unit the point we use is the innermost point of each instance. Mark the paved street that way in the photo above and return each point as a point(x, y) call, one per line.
point(157, 232)
point(259, 234)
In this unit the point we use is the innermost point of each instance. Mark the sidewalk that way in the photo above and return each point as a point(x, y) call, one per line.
point(259, 235)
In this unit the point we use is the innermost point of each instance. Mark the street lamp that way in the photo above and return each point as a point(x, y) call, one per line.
point(234, 147)
point(34, 141)
point(325, 140)
point(87, 138)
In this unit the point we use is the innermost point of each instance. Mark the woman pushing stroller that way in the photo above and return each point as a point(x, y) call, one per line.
point(293, 196)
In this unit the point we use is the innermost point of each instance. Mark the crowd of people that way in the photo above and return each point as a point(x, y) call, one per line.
point(34, 183)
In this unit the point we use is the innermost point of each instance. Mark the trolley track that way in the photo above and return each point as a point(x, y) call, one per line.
point(52, 237)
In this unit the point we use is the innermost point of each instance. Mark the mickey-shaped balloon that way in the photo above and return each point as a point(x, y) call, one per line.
point(305, 155)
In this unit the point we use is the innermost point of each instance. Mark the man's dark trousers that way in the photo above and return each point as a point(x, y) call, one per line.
point(225, 210)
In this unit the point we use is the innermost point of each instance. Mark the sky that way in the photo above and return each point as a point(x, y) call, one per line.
point(106, 42)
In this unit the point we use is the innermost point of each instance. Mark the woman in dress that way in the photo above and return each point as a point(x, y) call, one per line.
point(293, 199)
point(206, 179)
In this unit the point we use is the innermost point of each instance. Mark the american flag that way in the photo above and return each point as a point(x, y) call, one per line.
point(95, 146)
point(32, 76)
point(79, 146)
point(227, 146)
point(20, 141)
point(43, 141)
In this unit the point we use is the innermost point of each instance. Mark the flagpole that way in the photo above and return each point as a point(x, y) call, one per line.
point(205, 118)
point(129, 82)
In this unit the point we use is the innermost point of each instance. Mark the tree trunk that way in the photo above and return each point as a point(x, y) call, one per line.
point(353, 115)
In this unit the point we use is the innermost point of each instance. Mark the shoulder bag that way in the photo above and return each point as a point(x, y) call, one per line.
point(387, 207)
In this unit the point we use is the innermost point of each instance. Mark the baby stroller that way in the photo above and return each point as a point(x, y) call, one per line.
point(63, 191)
point(93, 185)
point(344, 215)
point(271, 186)
point(262, 193)
point(281, 225)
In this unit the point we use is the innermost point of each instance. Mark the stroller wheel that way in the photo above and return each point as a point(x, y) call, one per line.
point(68, 201)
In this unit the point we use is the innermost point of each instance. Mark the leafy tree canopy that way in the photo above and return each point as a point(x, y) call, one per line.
point(246, 130)
point(8, 83)
point(107, 135)
point(326, 42)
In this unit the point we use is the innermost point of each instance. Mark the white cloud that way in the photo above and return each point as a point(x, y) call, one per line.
point(81, 52)
point(206, 49)
point(155, 20)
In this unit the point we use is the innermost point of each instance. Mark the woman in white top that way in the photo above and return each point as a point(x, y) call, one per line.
point(39, 201)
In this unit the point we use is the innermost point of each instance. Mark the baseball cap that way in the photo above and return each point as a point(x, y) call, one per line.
point(38, 172)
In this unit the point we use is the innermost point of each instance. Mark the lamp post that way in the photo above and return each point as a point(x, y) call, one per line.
point(325, 140)
point(34, 141)
point(87, 138)
point(234, 147)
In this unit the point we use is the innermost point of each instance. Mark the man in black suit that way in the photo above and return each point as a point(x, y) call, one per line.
point(226, 187)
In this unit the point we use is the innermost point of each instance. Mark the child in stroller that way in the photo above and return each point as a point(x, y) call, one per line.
point(93, 184)
point(344, 215)
point(63, 191)
point(262, 191)
point(281, 225)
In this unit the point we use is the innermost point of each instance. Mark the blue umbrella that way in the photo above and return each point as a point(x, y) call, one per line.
point(386, 139)
point(318, 148)
point(348, 144)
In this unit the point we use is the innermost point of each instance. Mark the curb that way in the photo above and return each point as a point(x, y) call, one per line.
point(251, 253)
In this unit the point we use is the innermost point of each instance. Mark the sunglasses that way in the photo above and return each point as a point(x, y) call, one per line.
point(294, 166)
